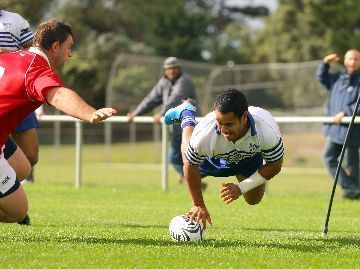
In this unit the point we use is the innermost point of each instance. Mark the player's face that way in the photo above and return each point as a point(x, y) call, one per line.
point(63, 53)
point(352, 61)
point(172, 73)
point(232, 127)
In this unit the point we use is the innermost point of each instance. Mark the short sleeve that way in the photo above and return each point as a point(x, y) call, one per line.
point(24, 32)
point(39, 80)
point(193, 156)
point(274, 153)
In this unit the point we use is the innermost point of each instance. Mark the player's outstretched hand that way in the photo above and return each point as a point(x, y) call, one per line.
point(229, 192)
point(331, 58)
point(102, 114)
point(199, 213)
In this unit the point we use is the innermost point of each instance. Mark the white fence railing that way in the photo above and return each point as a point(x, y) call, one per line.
point(123, 119)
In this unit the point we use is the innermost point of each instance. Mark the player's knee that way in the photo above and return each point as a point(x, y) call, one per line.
point(24, 171)
point(253, 199)
point(33, 158)
point(253, 202)
point(17, 216)
point(21, 216)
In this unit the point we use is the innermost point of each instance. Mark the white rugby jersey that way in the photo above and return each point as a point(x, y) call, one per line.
point(14, 31)
point(262, 137)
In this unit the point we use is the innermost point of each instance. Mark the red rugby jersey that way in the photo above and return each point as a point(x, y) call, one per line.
point(25, 77)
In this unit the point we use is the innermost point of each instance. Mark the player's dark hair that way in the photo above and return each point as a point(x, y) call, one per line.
point(51, 31)
point(231, 100)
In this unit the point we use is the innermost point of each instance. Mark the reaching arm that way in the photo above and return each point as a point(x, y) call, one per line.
point(193, 179)
point(323, 75)
point(198, 210)
point(151, 101)
point(73, 105)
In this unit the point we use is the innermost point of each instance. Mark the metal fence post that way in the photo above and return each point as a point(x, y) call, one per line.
point(78, 160)
point(164, 157)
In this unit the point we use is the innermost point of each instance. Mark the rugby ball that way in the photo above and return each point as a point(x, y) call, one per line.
point(182, 229)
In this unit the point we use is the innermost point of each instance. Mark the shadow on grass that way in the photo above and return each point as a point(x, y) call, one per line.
point(294, 243)
point(297, 244)
point(299, 240)
point(142, 226)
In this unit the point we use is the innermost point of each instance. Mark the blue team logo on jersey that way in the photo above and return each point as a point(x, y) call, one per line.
point(253, 147)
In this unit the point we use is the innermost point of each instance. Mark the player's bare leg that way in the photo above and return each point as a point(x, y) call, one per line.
point(255, 195)
point(13, 208)
point(20, 164)
point(29, 143)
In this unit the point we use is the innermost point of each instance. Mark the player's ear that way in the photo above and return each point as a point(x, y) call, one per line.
point(55, 46)
point(244, 116)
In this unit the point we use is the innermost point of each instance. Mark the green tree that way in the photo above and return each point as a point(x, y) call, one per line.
point(177, 28)
point(104, 30)
point(33, 10)
point(303, 30)
point(292, 34)
point(99, 38)
point(342, 21)
point(229, 37)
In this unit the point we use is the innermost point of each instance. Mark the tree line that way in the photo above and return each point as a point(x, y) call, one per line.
point(200, 30)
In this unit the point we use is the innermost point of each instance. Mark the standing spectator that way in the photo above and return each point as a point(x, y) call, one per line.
point(344, 89)
point(170, 90)
point(15, 34)
point(28, 80)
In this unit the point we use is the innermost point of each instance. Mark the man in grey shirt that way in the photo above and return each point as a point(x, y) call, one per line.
point(175, 86)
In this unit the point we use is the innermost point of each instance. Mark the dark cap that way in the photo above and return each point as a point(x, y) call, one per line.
point(171, 62)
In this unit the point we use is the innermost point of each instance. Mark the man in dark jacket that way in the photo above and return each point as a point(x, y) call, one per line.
point(344, 89)
point(175, 86)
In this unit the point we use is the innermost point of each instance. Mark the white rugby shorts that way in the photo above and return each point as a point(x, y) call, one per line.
point(7, 177)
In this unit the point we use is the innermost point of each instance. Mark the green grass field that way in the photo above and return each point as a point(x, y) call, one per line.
point(119, 219)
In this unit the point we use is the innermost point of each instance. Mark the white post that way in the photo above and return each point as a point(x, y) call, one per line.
point(164, 157)
point(78, 159)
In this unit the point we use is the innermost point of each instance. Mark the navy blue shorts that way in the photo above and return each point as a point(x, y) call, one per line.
point(28, 123)
point(220, 168)
point(10, 148)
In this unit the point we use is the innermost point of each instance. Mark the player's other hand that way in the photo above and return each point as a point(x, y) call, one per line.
point(331, 58)
point(199, 213)
point(229, 192)
point(157, 117)
point(102, 114)
point(338, 117)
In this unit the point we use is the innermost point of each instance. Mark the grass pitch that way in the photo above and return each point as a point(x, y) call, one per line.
point(119, 219)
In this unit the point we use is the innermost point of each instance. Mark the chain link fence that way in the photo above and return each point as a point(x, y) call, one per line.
point(284, 89)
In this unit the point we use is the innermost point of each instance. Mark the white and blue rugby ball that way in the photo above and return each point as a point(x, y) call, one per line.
point(182, 229)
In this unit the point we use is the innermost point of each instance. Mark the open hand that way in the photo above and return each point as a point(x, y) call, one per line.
point(331, 58)
point(198, 213)
point(229, 192)
point(102, 114)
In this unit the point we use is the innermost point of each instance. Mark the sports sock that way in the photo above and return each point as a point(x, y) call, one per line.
point(188, 118)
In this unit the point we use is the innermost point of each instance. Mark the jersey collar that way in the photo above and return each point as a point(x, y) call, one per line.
point(252, 125)
point(39, 52)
